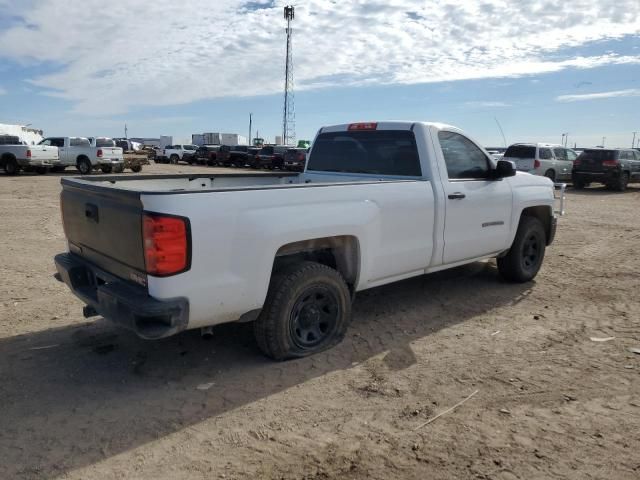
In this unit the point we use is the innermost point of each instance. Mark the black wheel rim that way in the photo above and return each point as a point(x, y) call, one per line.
point(314, 317)
point(531, 252)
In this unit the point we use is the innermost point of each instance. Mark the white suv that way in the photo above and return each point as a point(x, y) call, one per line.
point(549, 160)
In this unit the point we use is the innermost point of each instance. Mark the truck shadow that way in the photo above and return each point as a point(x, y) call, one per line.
point(633, 188)
point(79, 394)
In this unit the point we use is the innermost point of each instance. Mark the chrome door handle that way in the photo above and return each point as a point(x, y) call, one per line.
point(456, 196)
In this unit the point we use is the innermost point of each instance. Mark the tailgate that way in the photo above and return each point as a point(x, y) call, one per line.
point(522, 164)
point(111, 152)
point(104, 226)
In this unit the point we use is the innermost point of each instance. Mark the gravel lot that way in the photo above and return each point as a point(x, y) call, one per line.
point(87, 400)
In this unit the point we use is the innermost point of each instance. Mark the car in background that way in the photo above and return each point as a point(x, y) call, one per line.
point(272, 156)
point(614, 167)
point(15, 155)
point(295, 159)
point(238, 156)
point(79, 152)
point(545, 159)
point(224, 155)
point(207, 155)
point(180, 153)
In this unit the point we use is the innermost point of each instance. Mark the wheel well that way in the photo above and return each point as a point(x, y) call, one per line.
point(341, 253)
point(542, 213)
point(82, 157)
point(8, 156)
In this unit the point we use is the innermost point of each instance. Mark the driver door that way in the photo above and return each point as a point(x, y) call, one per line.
point(477, 208)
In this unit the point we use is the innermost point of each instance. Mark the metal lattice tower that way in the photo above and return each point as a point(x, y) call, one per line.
point(289, 115)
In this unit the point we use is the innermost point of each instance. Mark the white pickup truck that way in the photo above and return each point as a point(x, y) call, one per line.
point(377, 203)
point(78, 152)
point(16, 156)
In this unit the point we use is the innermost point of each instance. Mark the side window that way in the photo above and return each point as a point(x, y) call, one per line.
point(545, 154)
point(623, 156)
point(463, 158)
point(57, 142)
point(560, 153)
point(571, 155)
point(46, 141)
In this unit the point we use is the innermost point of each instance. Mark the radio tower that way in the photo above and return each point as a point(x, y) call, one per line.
point(289, 115)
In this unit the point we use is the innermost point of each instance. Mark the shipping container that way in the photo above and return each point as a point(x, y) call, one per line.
point(197, 139)
point(233, 139)
point(212, 138)
point(165, 140)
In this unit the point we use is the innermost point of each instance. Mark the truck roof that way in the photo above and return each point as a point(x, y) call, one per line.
point(387, 125)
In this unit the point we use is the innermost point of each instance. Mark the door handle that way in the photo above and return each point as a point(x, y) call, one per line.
point(456, 196)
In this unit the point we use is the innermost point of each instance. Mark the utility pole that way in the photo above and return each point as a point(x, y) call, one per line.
point(603, 139)
point(288, 115)
point(633, 142)
point(126, 131)
point(250, 119)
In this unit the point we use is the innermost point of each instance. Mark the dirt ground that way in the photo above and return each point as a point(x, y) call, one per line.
point(84, 399)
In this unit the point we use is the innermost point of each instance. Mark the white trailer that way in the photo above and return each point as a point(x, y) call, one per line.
point(197, 139)
point(212, 138)
point(233, 139)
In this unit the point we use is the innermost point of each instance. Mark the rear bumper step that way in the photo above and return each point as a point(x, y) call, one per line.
point(121, 302)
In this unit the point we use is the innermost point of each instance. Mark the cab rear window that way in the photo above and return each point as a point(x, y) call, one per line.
point(521, 151)
point(378, 152)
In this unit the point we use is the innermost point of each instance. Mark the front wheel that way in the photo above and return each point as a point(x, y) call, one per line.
point(136, 168)
point(11, 167)
point(84, 166)
point(307, 310)
point(551, 175)
point(174, 159)
point(524, 259)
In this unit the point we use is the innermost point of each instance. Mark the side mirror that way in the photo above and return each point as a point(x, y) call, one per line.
point(504, 168)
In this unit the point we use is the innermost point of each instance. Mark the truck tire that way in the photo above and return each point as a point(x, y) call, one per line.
point(57, 169)
point(307, 310)
point(551, 175)
point(84, 166)
point(174, 159)
point(136, 168)
point(578, 183)
point(524, 259)
point(118, 169)
point(106, 168)
point(11, 166)
point(620, 183)
point(41, 170)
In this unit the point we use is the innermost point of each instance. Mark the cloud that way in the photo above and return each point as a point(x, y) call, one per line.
point(632, 92)
point(487, 104)
point(112, 59)
point(2, 91)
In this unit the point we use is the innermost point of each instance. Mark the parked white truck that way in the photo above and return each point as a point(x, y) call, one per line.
point(377, 203)
point(78, 152)
point(16, 156)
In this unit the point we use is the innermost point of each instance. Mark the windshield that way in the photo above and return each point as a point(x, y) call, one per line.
point(381, 152)
point(521, 151)
point(105, 142)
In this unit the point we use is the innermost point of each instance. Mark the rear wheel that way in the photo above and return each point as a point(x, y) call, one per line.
point(307, 310)
point(11, 166)
point(578, 183)
point(524, 259)
point(57, 169)
point(106, 168)
point(136, 168)
point(84, 166)
point(42, 170)
point(620, 184)
point(174, 159)
point(551, 175)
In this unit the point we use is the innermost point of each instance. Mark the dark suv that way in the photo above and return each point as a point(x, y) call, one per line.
point(295, 159)
point(272, 156)
point(615, 167)
point(207, 154)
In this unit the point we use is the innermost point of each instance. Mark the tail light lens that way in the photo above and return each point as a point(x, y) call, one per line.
point(610, 163)
point(28, 153)
point(301, 157)
point(166, 244)
point(99, 153)
point(536, 163)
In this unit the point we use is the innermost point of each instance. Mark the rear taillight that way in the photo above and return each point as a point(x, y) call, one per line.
point(166, 244)
point(301, 157)
point(536, 164)
point(577, 162)
point(363, 126)
point(610, 163)
point(99, 153)
point(28, 153)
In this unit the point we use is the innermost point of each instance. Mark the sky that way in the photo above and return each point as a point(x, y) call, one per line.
point(537, 69)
